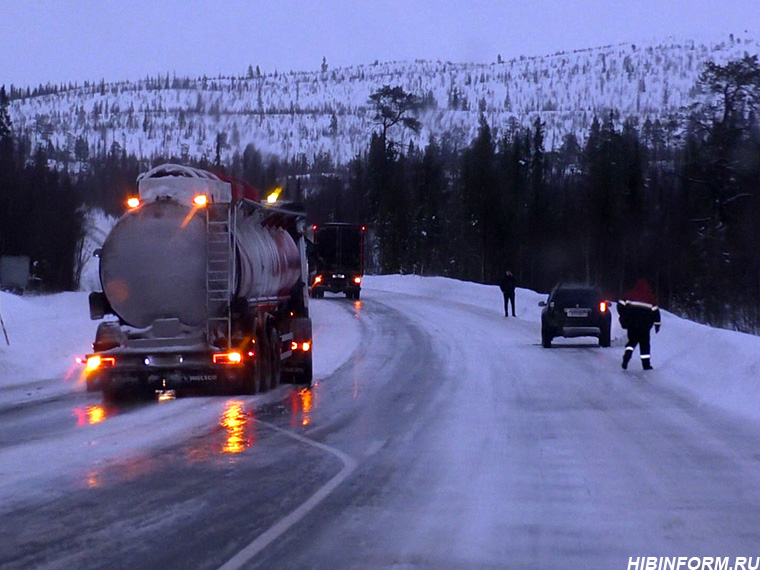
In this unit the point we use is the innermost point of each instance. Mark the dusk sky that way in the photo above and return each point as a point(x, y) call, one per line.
point(76, 40)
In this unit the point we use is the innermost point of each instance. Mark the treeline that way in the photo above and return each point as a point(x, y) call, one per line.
point(678, 204)
point(40, 212)
point(43, 206)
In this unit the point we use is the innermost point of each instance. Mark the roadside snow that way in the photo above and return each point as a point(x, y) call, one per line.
point(48, 332)
point(719, 367)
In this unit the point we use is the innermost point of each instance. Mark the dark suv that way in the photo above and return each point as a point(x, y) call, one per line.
point(573, 311)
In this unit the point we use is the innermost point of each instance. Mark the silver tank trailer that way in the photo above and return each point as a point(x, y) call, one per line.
point(153, 263)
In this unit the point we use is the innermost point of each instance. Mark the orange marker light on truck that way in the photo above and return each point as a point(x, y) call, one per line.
point(200, 200)
point(96, 361)
point(227, 358)
point(133, 202)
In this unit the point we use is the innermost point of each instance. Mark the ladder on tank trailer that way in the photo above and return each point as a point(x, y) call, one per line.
point(219, 270)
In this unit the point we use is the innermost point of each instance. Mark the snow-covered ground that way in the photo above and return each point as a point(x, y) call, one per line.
point(47, 333)
point(719, 367)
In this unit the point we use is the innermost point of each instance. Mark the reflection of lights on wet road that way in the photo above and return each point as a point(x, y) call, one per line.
point(238, 423)
point(301, 404)
point(234, 433)
point(166, 395)
point(93, 479)
point(91, 415)
point(306, 403)
point(128, 470)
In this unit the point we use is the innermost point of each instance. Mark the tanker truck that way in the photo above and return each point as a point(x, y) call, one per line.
point(203, 290)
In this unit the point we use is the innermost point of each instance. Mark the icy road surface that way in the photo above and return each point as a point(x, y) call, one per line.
point(441, 435)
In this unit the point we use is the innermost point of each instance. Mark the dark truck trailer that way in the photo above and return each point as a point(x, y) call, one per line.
point(207, 287)
point(337, 259)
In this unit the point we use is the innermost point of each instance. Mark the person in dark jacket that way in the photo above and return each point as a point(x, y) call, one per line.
point(638, 311)
point(507, 286)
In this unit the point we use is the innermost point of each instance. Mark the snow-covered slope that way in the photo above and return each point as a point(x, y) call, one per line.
point(308, 113)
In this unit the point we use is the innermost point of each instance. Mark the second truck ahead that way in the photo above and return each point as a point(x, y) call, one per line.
point(207, 285)
point(337, 259)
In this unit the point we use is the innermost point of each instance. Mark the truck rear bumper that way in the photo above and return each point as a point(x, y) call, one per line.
point(134, 380)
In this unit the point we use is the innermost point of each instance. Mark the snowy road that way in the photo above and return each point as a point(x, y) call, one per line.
point(470, 446)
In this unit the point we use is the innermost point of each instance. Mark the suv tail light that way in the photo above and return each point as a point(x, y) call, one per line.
point(603, 306)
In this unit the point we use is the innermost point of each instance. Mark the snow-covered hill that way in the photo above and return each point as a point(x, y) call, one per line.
point(308, 113)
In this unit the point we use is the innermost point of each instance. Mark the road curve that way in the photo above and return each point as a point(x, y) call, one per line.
point(469, 446)
point(503, 454)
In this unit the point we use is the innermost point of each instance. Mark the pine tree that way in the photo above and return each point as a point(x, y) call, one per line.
point(394, 106)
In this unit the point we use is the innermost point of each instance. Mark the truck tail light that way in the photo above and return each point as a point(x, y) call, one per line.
point(96, 361)
point(318, 279)
point(603, 307)
point(227, 358)
point(304, 346)
point(358, 280)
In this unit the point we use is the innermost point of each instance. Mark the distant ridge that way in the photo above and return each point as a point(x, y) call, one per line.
point(327, 113)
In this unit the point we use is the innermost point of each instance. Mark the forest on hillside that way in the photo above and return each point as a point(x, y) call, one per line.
point(326, 111)
point(677, 204)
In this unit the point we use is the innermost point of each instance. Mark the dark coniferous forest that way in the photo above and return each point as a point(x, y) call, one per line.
point(677, 202)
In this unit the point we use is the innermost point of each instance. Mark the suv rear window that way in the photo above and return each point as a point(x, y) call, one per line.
point(582, 296)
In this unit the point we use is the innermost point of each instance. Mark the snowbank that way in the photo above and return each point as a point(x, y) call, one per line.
point(48, 332)
point(719, 367)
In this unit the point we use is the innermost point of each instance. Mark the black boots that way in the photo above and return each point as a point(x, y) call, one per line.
point(626, 358)
point(645, 364)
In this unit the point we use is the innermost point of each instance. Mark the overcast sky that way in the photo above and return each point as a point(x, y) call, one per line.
point(76, 40)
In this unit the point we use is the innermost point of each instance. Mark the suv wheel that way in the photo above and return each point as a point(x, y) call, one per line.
point(546, 339)
point(604, 338)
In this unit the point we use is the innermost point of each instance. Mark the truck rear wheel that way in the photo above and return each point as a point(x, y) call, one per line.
point(252, 380)
point(274, 352)
point(263, 360)
point(304, 378)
